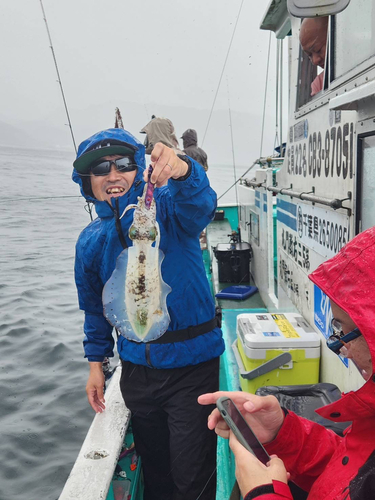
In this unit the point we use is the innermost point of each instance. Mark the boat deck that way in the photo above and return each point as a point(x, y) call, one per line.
point(219, 232)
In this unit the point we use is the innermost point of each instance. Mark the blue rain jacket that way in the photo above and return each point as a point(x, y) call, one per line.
point(184, 209)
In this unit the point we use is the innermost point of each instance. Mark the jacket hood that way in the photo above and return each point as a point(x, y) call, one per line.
point(160, 130)
point(348, 279)
point(122, 136)
point(190, 138)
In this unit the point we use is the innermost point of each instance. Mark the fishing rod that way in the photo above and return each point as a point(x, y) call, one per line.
point(62, 91)
point(58, 76)
point(233, 157)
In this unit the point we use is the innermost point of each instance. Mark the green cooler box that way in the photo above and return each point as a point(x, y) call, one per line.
point(276, 349)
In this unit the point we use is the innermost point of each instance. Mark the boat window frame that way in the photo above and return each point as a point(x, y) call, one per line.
point(322, 97)
point(367, 130)
point(359, 75)
point(358, 70)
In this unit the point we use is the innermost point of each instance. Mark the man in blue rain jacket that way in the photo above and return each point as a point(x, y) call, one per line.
point(162, 379)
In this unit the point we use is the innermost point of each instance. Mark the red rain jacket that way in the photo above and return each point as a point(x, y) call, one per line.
point(326, 465)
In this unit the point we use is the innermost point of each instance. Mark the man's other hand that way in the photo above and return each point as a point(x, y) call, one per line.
point(95, 387)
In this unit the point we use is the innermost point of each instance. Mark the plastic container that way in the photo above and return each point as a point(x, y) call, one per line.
point(233, 262)
point(237, 292)
point(219, 215)
point(276, 349)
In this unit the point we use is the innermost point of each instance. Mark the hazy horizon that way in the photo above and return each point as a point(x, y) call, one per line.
point(164, 59)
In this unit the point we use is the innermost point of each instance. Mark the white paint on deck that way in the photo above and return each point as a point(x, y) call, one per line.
point(90, 477)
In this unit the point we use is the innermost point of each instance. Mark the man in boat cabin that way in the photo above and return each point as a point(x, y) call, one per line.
point(322, 463)
point(313, 39)
point(161, 380)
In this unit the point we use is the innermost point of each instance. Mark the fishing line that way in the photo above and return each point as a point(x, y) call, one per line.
point(35, 198)
point(222, 71)
point(238, 180)
point(265, 95)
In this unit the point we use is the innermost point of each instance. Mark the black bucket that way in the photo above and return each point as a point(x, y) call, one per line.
point(233, 262)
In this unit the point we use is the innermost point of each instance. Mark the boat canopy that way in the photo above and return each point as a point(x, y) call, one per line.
point(312, 8)
point(277, 19)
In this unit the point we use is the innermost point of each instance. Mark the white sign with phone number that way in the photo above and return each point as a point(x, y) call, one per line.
point(325, 231)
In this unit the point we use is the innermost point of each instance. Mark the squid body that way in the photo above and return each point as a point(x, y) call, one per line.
point(135, 296)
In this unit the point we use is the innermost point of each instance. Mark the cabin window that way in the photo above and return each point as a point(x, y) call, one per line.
point(311, 78)
point(366, 188)
point(354, 41)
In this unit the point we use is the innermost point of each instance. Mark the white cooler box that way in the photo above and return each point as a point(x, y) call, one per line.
point(276, 349)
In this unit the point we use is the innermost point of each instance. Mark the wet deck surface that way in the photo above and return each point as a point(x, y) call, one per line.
point(219, 232)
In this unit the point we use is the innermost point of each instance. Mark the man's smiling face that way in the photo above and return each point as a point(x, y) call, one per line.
point(112, 185)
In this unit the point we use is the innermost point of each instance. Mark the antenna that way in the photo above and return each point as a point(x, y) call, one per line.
point(58, 77)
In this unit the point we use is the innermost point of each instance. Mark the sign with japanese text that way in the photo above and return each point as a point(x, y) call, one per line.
point(325, 231)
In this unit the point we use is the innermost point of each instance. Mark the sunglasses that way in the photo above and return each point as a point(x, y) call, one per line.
point(337, 341)
point(103, 167)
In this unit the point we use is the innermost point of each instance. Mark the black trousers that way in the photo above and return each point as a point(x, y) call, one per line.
point(178, 451)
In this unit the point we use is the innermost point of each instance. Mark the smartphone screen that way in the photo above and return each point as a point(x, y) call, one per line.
point(241, 429)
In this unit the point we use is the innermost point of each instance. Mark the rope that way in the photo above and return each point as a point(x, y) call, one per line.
point(222, 72)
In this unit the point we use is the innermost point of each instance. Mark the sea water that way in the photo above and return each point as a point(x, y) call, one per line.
point(44, 414)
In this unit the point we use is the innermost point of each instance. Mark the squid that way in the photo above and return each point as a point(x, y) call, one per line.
point(135, 296)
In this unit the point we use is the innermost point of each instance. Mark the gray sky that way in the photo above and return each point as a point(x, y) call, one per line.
point(146, 57)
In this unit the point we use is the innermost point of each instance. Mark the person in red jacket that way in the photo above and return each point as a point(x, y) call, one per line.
point(326, 465)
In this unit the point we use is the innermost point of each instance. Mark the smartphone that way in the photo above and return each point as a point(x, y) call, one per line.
point(241, 429)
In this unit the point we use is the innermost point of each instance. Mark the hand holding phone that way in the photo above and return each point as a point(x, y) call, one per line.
point(241, 429)
point(251, 472)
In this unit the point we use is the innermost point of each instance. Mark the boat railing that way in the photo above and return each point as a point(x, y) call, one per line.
point(93, 470)
point(334, 203)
